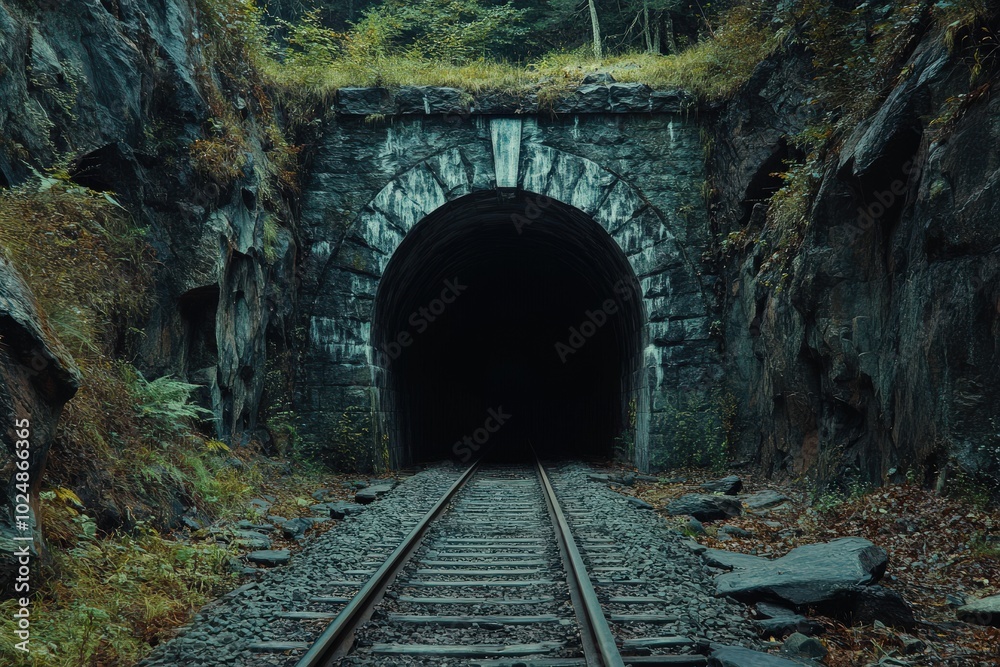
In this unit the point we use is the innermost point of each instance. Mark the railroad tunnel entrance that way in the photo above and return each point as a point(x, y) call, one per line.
point(501, 319)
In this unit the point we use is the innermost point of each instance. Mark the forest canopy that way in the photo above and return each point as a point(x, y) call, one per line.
point(513, 30)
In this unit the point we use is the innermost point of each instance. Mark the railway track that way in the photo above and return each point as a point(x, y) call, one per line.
point(508, 567)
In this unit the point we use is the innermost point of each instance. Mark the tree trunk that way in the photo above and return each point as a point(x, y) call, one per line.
point(596, 26)
point(671, 40)
point(646, 32)
point(657, 35)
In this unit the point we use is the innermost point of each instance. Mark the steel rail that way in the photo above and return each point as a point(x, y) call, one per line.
point(337, 636)
point(601, 641)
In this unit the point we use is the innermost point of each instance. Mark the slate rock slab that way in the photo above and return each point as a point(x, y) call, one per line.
point(787, 625)
point(372, 493)
point(729, 486)
point(293, 529)
point(252, 539)
point(259, 527)
point(735, 531)
point(985, 611)
point(800, 645)
point(343, 508)
point(762, 500)
point(737, 656)
point(638, 502)
point(731, 560)
point(777, 621)
point(807, 575)
point(270, 557)
point(705, 507)
point(260, 504)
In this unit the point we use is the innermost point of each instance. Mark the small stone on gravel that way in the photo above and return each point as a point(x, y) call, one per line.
point(270, 557)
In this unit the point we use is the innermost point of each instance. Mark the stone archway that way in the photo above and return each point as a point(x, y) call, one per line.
point(521, 173)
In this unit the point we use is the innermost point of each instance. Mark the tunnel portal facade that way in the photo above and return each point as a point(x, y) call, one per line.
point(505, 282)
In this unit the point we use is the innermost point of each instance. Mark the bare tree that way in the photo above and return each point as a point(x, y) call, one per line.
point(595, 25)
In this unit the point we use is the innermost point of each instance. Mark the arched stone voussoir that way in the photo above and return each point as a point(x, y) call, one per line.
point(567, 178)
point(622, 203)
point(410, 197)
point(374, 230)
point(449, 168)
point(643, 231)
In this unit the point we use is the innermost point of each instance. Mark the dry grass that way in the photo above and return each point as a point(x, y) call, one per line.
point(714, 68)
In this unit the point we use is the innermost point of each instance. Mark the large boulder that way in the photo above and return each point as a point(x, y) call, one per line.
point(705, 507)
point(37, 377)
point(807, 575)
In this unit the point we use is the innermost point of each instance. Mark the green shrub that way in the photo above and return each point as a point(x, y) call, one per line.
point(697, 427)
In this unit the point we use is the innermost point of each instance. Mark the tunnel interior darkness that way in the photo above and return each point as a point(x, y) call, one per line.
point(473, 333)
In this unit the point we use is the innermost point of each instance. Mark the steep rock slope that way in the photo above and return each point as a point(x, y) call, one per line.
point(871, 347)
point(127, 97)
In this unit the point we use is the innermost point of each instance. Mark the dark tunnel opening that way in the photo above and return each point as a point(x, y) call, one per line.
point(500, 322)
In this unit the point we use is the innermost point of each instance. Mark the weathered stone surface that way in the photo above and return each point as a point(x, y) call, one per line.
point(806, 575)
point(629, 97)
point(730, 560)
point(803, 646)
point(843, 360)
point(252, 539)
point(779, 622)
point(421, 162)
point(270, 557)
point(705, 507)
point(638, 502)
point(729, 486)
point(365, 101)
point(342, 508)
point(670, 101)
point(764, 499)
point(293, 529)
point(735, 531)
point(426, 100)
point(985, 611)
point(372, 493)
point(37, 376)
point(737, 656)
point(864, 605)
point(598, 78)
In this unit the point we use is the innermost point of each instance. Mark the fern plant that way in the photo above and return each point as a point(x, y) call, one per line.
point(166, 402)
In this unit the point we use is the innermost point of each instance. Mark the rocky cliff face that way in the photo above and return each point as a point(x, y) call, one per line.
point(116, 93)
point(876, 352)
